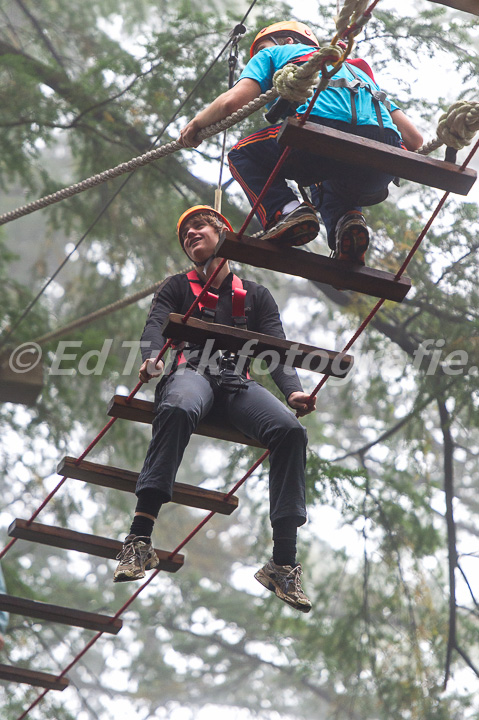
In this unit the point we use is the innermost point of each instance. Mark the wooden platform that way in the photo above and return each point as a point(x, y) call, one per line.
point(311, 266)
point(82, 542)
point(469, 6)
point(214, 425)
point(108, 476)
point(356, 150)
point(21, 387)
point(32, 677)
point(58, 614)
point(226, 337)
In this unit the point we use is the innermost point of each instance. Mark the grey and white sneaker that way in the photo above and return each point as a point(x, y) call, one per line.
point(136, 556)
point(352, 238)
point(295, 228)
point(285, 582)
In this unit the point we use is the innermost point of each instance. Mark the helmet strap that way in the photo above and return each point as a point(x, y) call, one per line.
point(208, 263)
point(204, 263)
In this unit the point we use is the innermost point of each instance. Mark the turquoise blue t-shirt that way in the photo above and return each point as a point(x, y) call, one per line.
point(334, 103)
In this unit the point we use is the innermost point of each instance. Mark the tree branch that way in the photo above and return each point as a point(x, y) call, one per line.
point(397, 334)
point(239, 649)
point(74, 93)
point(464, 576)
point(44, 37)
point(387, 434)
point(467, 659)
point(445, 422)
point(457, 262)
point(12, 29)
point(119, 94)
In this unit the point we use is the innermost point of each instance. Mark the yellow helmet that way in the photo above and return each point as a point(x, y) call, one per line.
point(199, 209)
point(295, 29)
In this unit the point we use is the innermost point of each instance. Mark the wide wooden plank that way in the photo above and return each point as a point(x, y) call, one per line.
point(225, 337)
point(82, 542)
point(311, 266)
point(213, 425)
point(113, 477)
point(469, 6)
point(58, 614)
point(21, 387)
point(32, 677)
point(360, 151)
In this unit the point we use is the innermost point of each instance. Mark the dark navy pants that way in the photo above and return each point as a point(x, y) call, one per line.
point(344, 186)
point(185, 398)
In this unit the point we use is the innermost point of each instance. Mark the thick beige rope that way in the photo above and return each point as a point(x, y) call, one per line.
point(91, 317)
point(140, 161)
point(352, 12)
point(287, 78)
point(298, 82)
point(456, 127)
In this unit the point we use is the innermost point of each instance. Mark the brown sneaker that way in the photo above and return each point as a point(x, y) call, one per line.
point(136, 556)
point(296, 228)
point(285, 582)
point(352, 238)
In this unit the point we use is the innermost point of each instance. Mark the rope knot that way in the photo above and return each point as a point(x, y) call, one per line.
point(297, 82)
point(459, 124)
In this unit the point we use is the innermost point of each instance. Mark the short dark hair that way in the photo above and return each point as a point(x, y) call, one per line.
point(282, 36)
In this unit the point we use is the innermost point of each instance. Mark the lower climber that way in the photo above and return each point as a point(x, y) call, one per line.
point(192, 388)
point(353, 103)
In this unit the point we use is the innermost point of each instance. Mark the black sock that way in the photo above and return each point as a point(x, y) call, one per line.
point(149, 501)
point(142, 526)
point(284, 541)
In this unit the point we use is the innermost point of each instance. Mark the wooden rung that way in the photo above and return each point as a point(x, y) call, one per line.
point(21, 387)
point(345, 147)
point(212, 426)
point(311, 266)
point(108, 476)
point(91, 544)
point(32, 677)
point(469, 6)
point(57, 614)
point(231, 338)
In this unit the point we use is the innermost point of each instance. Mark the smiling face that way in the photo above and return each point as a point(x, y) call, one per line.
point(199, 238)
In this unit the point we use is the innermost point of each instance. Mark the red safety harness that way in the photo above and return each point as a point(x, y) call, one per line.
point(209, 302)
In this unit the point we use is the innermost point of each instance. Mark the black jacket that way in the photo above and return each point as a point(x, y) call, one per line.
point(175, 296)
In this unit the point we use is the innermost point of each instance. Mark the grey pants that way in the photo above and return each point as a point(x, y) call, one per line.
point(185, 398)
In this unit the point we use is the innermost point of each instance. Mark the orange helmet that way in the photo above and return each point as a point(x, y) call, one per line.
point(287, 27)
point(199, 209)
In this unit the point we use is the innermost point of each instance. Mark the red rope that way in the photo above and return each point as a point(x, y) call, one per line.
point(165, 346)
point(59, 485)
point(198, 299)
point(355, 26)
point(249, 472)
point(433, 217)
point(263, 457)
point(168, 344)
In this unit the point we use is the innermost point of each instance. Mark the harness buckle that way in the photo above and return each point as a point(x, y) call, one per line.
point(208, 314)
